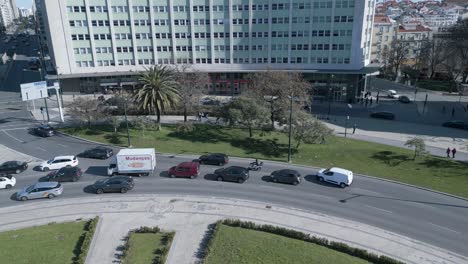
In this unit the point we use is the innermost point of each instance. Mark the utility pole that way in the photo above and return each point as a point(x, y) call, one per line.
point(45, 98)
point(126, 122)
point(290, 128)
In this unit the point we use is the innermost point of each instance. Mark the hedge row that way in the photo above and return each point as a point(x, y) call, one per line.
point(338, 246)
point(160, 253)
point(83, 243)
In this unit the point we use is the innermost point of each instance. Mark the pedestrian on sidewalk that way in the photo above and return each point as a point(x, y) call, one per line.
point(453, 111)
point(453, 152)
point(371, 101)
point(367, 101)
point(354, 128)
point(448, 152)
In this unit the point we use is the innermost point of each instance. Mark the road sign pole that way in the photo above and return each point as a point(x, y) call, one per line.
point(57, 92)
point(46, 109)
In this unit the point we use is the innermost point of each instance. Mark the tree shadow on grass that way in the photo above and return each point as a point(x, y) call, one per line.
point(440, 163)
point(93, 132)
point(113, 139)
point(204, 134)
point(391, 158)
point(266, 147)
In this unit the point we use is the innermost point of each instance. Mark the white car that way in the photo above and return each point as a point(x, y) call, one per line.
point(336, 176)
point(6, 182)
point(59, 162)
point(393, 94)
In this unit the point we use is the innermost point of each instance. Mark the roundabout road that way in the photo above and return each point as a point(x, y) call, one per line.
point(422, 215)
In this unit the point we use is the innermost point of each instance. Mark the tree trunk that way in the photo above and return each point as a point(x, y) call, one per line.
point(185, 113)
point(250, 131)
point(158, 118)
point(414, 157)
point(272, 116)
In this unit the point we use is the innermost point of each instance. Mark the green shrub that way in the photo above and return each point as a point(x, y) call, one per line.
point(83, 243)
point(185, 127)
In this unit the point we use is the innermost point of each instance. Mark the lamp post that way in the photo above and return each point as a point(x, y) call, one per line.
point(290, 128)
point(346, 120)
point(126, 122)
point(329, 95)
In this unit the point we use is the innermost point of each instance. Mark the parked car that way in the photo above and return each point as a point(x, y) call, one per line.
point(233, 173)
point(214, 159)
point(64, 174)
point(98, 153)
point(59, 162)
point(393, 94)
point(40, 190)
point(336, 176)
point(456, 124)
point(14, 166)
point(6, 182)
point(404, 99)
point(114, 184)
point(383, 115)
point(185, 169)
point(44, 131)
point(286, 176)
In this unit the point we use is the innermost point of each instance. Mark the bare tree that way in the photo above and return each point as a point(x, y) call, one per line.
point(398, 55)
point(432, 54)
point(458, 48)
point(86, 110)
point(115, 123)
point(192, 85)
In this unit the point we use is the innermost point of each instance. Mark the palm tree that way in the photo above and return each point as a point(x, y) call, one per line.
point(159, 91)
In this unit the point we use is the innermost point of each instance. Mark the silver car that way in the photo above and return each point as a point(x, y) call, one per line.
point(40, 190)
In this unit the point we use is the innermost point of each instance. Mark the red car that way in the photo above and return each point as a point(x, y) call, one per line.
point(187, 169)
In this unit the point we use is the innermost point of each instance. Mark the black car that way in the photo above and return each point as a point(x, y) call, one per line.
point(13, 167)
point(286, 176)
point(113, 184)
point(98, 153)
point(383, 115)
point(233, 173)
point(456, 124)
point(44, 131)
point(214, 159)
point(64, 174)
point(404, 99)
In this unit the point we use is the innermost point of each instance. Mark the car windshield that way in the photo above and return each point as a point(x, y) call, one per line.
point(50, 161)
point(30, 188)
point(101, 181)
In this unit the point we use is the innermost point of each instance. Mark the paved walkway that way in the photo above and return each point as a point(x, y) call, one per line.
point(7, 154)
point(189, 217)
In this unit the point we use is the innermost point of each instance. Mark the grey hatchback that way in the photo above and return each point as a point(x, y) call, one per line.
point(40, 190)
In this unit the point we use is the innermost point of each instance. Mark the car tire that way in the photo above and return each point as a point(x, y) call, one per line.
point(192, 177)
point(17, 171)
point(343, 185)
point(123, 190)
point(221, 164)
point(8, 186)
point(24, 198)
point(74, 179)
point(219, 178)
point(68, 166)
point(274, 180)
point(172, 175)
point(320, 179)
point(240, 180)
point(295, 183)
point(99, 191)
point(45, 169)
point(51, 196)
point(114, 174)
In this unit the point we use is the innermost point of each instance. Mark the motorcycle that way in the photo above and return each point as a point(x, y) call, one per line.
point(255, 166)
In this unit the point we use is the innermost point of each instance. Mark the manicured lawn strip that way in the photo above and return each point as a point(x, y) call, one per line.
point(147, 245)
point(362, 157)
point(239, 245)
point(52, 243)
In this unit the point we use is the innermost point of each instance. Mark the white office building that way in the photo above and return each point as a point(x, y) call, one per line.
point(6, 13)
point(103, 44)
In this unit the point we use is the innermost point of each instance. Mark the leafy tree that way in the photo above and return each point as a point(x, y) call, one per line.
point(309, 130)
point(418, 145)
point(247, 112)
point(86, 109)
point(192, 85)
point(140, 123)
point(115, 123)
point(159, 91)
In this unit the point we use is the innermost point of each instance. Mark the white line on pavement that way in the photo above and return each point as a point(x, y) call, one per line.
point(18, 128)
point(41, 148)
point(13, 137)
point(445, 228)
point(379, 209)
point(62, 145)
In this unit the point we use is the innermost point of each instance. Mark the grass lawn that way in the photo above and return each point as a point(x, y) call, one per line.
point(143, 246)
point(239, 245)
point(362, 157)
point(53, 243)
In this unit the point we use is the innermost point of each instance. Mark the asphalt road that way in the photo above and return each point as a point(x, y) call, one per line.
point(426, 216)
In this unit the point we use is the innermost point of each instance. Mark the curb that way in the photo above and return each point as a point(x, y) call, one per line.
point(285, 163)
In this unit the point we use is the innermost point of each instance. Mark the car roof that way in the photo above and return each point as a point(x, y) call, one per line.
point(289, 171)
point(340, 170)
point(119, 178)
point(237, 167)
point(187, 163)
point(384, 112)
point(45, 126)
point(64, 157)
point(13, 161)
point(46, 184)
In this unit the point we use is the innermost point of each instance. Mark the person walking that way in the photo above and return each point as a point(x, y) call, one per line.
point(354, 128)
point(453, 152)
point(371, 101)
point(448, 152)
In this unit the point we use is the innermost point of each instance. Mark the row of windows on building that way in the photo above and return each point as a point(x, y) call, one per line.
point(274, 60)
point(215, 8)
point(235, 21)
point(207, 35)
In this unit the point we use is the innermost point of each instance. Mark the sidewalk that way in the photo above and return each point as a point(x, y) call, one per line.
point(8, 154)
point(189, 217)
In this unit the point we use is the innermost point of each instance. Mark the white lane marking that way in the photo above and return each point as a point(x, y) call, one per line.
point(18, 128)
point(379, 209)
point(41, 148)
point(62, 145)
point(445, 228)
point(20, 141)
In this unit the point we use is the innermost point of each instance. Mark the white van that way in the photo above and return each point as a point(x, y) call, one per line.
point(336, 176)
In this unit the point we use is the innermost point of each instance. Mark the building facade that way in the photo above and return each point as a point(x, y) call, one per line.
point(384, 33)
point(102, 44)
point(415, 35)
point(6, 13)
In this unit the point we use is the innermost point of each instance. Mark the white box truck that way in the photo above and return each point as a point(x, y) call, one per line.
point(138, 161)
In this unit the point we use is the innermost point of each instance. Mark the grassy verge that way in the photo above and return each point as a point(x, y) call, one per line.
point(52, 243)
point(239, 245)
point(362, 157)
point(147, 245)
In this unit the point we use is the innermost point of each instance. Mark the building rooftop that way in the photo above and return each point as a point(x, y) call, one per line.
point(412, 28)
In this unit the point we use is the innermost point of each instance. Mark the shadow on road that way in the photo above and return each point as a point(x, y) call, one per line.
point(313, 179)
point(266, 178)
point(97, 170)
point(164, 174)
point(210, 177)
point(89, 189)
point(13, 196)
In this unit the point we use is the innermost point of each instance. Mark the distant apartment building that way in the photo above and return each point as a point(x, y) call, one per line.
point(441, 20)
point(24, 12)
point(6, 13)
point(384, 33)
point(103, 44)
point(415, 35)
point(394, 12)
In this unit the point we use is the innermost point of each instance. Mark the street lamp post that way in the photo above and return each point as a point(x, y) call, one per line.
point(290, 128)
point(346, 121)
point(126, 122)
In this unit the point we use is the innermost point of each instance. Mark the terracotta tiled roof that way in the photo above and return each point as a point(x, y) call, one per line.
point(419, 28)
point(380, 19)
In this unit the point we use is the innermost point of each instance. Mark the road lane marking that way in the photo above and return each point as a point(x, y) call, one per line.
point(18, 128)
point(13, 137)
point(379, 209)
point(62, 145)
point(41, 148)
point(445, 228)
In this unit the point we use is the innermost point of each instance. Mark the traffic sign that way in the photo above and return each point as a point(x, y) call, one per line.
point(35, 90)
